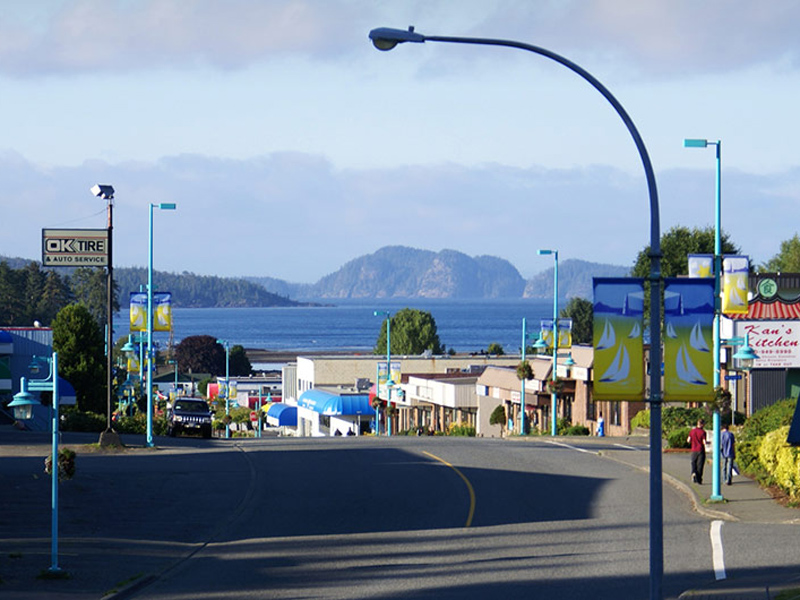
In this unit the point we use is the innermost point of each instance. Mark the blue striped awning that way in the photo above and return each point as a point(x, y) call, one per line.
point(333, 404)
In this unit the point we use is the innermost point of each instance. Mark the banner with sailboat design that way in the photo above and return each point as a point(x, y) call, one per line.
point(564, 332)
point(689, 324)
point(618, 372)
point(735, 271)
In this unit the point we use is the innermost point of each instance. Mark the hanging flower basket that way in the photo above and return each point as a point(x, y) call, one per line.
point(377, 403)
point(555, 386)
point(66, 464)
point(391, 410)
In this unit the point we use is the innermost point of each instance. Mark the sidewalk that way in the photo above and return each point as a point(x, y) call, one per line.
point(109, 516)
point(744, 501)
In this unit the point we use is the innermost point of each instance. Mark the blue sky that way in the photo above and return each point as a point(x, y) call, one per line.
point(291, 145)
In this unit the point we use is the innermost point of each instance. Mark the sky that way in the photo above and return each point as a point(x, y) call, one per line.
point(291, 145)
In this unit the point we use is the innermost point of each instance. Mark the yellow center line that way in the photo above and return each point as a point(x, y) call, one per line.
point(466, 481)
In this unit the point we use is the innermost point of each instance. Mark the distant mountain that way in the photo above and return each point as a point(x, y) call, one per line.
point(402, 272)
point(574, 279)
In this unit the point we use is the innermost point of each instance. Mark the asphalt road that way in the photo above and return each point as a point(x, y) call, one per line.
point(436, 518)
point(377, 518)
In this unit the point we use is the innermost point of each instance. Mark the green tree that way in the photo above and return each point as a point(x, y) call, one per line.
point(413, 332)
point(12, 305)
point(89, 288)
point(676, 245)
point(80, 344)
point(239, 363)
point(496, 349)
point(581, 311)
point(201, 354)
point(787, 260)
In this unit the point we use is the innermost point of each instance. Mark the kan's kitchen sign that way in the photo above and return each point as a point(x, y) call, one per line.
point(777, 343)
point(75, 247)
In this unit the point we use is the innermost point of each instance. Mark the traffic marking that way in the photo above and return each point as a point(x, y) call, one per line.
point(466, 481)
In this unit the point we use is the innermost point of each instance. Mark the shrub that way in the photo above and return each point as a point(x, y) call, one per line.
point(562, 425)
point(677, 438)
point(462, 430)
point(137, 424)
point(769, 418)
point(498, 416)
point(676, 417)
point(576, 430)
point(73, 419)
point(641, 420)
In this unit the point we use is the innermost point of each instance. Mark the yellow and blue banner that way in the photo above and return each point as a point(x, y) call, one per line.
point(688, 344)
point(564, 332)
point(618, 372)
point(701, 265)
point(162, 311)
point(735, 270)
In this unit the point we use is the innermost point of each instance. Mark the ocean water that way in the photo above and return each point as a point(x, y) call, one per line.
point(350, 325)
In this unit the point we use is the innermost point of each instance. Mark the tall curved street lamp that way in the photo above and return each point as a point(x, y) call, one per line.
point(226, 345)
point(385, 38)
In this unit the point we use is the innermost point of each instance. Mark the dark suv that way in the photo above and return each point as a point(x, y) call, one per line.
point(189, 414)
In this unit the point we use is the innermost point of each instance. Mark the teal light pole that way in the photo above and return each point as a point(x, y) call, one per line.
point(151, 355)
point(716, 491)
point(22, 405)
point(522, 380)
point(385, 38)
point(554, 373)
point(227, 386)
point(389, 383)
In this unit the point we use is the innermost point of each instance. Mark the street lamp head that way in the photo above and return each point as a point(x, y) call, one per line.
point(543, 252)
point(695, 143)
point(167, 206)
point(22, 404)
point(104, 191)
point(386, 38)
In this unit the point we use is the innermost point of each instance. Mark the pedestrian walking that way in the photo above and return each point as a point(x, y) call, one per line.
point(728, 451)
point(601, 426)
point(697, 444)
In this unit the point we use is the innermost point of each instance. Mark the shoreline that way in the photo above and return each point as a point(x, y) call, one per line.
point(261, 355)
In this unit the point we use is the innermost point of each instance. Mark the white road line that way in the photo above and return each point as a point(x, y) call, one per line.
point(571, 447)
point(629, 447)
point(717, 554)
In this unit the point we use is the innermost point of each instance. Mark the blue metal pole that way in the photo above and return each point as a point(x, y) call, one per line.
point(388, 371)
point(385, 39)
point(554, 374)
point(54, 469)
point(716, 492)
point(522, 390)
point(227, 390)
point(149, 388)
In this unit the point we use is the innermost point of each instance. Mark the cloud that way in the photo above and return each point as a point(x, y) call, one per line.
point(662, 38)
point(296, 217)
point(104, 35)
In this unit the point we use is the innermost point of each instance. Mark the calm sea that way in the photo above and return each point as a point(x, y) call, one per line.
point(350, 325)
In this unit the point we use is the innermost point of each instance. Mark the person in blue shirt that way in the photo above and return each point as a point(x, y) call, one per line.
point(728, 451)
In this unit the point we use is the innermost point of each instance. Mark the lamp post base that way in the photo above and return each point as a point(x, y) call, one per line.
point(109, 438)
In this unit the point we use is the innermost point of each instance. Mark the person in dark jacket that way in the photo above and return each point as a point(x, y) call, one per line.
point(728, 451)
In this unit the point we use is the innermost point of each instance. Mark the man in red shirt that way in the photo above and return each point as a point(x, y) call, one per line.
point(697, 443)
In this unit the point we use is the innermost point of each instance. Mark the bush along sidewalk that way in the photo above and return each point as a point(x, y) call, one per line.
point(762, 451)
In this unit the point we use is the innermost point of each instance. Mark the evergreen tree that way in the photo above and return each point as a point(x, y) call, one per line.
point(239, 363)
point(581, 312)
point(80, 344)
point(89, 288)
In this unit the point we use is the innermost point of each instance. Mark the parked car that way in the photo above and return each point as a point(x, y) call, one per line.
point(189, 415)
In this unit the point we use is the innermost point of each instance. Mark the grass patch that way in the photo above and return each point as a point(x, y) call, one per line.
point(53, 575)
point(123, 583)
point(791, 594)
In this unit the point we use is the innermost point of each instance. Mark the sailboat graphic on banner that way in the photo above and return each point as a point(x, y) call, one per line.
point(620, 367)
point(686, 370)
point(618, 370)
point(689, 320)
